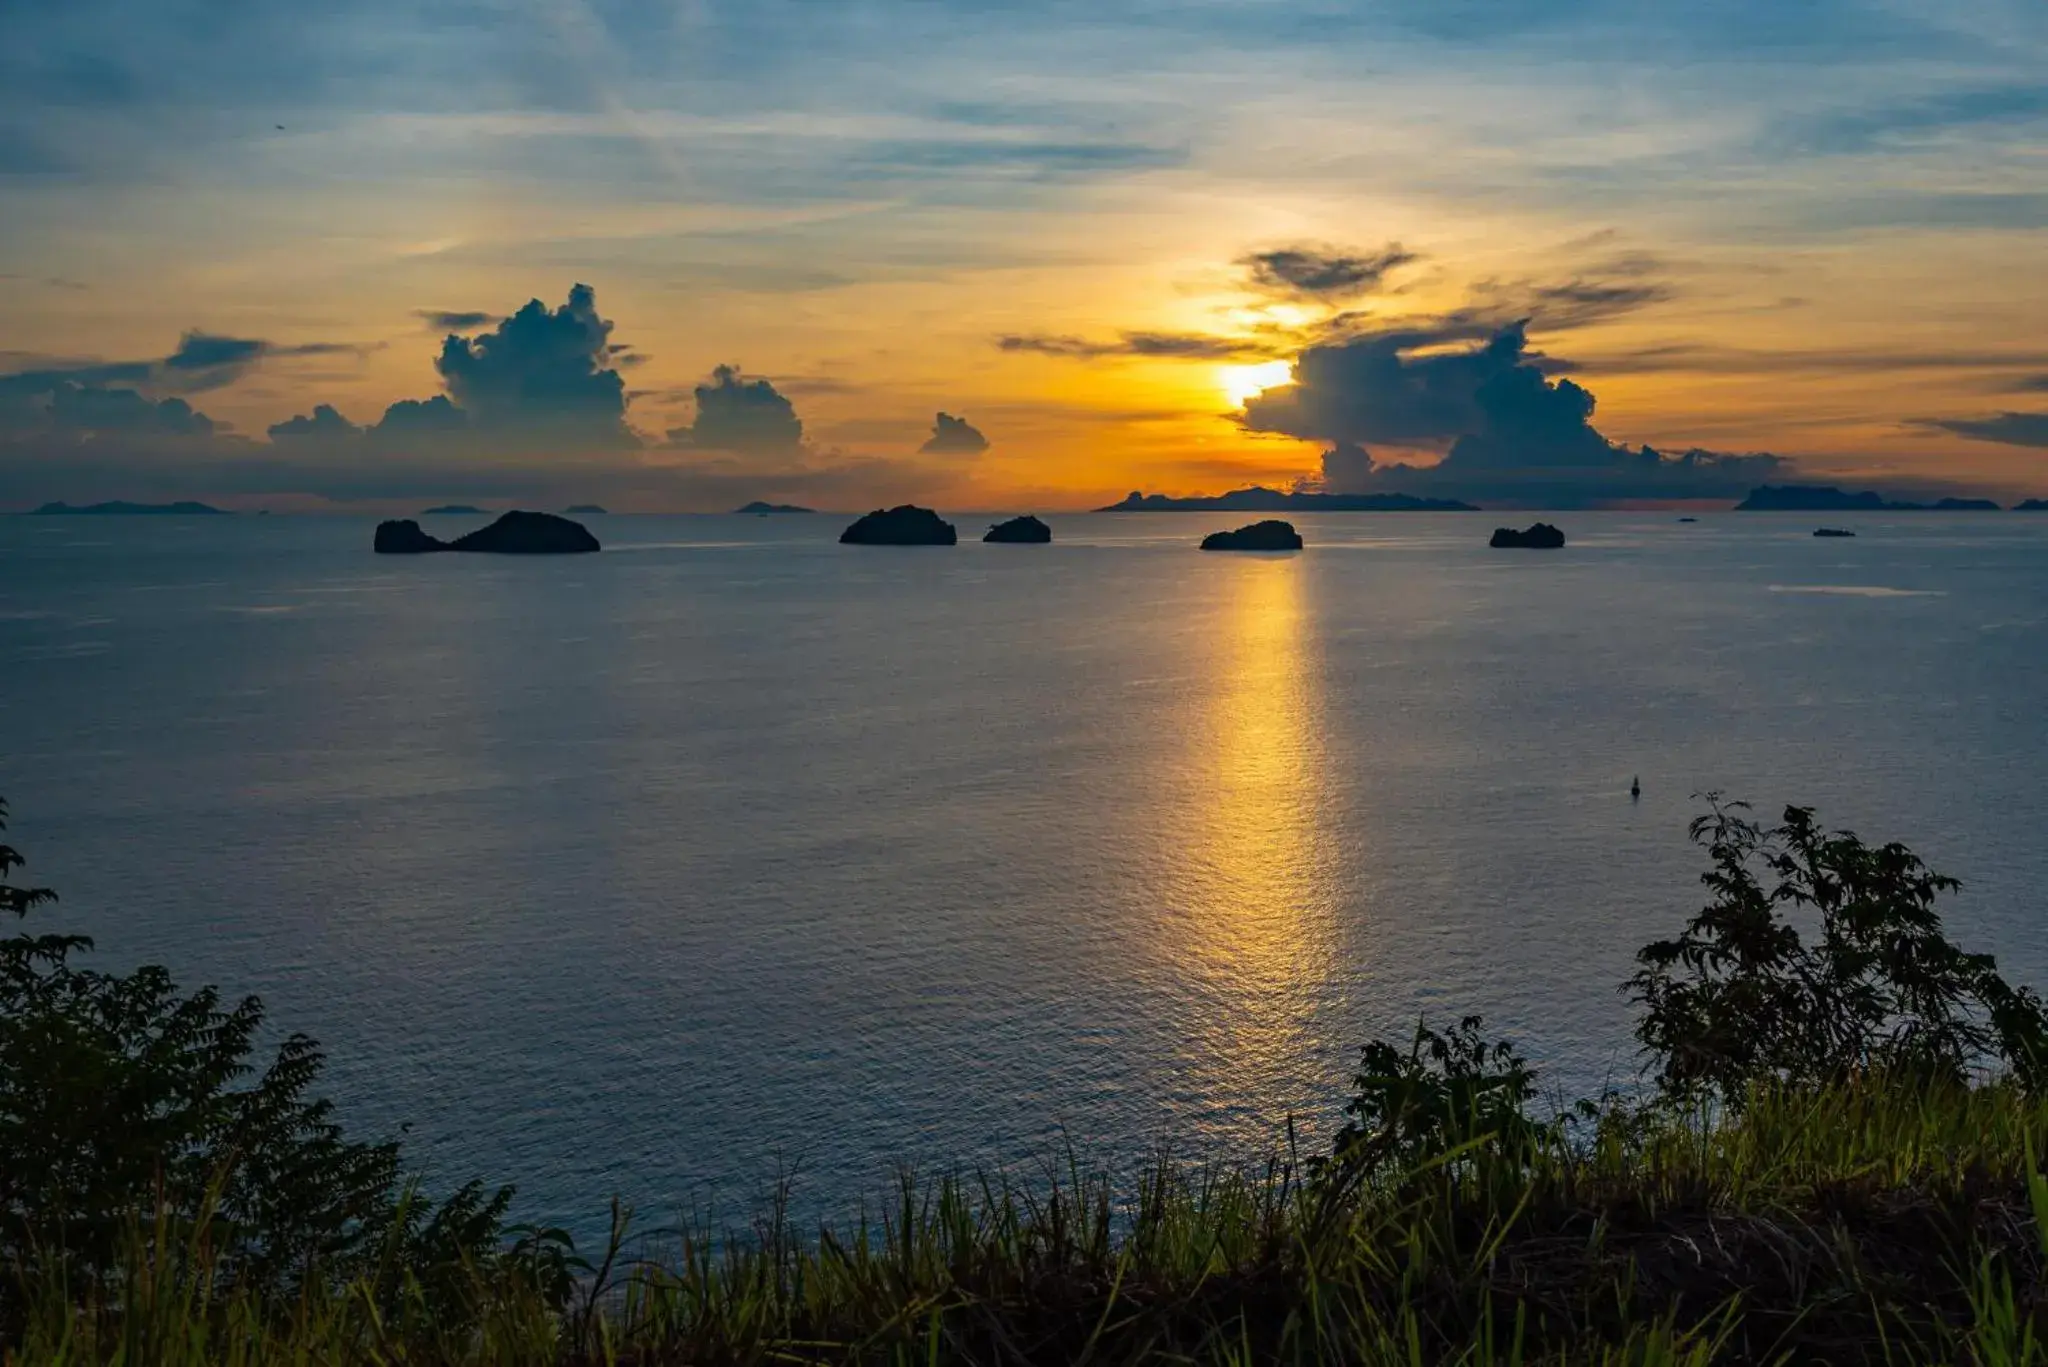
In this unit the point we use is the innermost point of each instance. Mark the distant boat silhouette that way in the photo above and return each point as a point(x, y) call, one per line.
point(1635, 788)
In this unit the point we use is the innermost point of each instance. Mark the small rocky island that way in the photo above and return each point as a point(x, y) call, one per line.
point(1270, 535)
point(2032, 505)
point(1020, 531)
point(760, 509)
point(453, 510)
point(904, 525)
point(1540, 537)
point(1832, 531)
point(515, 533)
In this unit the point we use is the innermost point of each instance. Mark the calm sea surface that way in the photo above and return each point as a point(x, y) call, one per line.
point(732, 850)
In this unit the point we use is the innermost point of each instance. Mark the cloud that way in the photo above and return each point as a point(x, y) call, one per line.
point(2033, 384)
point(1323, 272)
point(1574, 303)
point(90, 411)
point(1193, 346)
point(204, 351)
point(201, 361)
point(953, 436)
point(1369, 389)
point(540, 377)
point(2008, 429)
point(455, 320)
point(54, 403)
point(1511, 432)
point(422, 417)
point(735, 414)
point(325, 424)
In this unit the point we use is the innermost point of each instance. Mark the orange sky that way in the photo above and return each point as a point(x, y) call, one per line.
point(1837, 246)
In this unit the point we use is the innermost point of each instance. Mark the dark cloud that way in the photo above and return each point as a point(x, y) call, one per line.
point(91, 411)
point(455, 320)
point(1178, 345)
point(1347, 469)
point(2033, 384)
point(541, 376)
point(422, 418)
point(325, 424)
point(2008, 429)
point(953, 436)
point(1323, 272)
point(740, 415)
point(205, 351)
point(1369, 389)
point(47, 372)
point(1511, 432)
point(201, 361)
point(59, 403)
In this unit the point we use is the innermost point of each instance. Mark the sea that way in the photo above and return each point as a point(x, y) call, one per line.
point(732, 856)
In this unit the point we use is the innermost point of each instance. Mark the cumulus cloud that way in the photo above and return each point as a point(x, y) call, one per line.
point(1508, 430)
point(422, 418)
point(1175, 345)
point(49, 403)
point(325, 424)
point(2007, 429)
point(953, 436)
point(741, 415)
point(1323, 272)
point(541, 376)
point(89, 411)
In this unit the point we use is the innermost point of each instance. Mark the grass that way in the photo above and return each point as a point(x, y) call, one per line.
point(1870, 1222)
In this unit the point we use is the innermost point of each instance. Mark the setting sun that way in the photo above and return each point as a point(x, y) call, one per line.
point(1241, 382)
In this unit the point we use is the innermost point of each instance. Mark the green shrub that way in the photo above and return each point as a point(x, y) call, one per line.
point(1739, 996)
point(123, 1100)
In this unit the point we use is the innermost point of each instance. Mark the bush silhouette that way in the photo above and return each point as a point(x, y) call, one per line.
point(1740, 997)
point(123, 1100)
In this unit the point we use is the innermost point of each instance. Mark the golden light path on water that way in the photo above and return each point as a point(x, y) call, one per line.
point(1256, 930)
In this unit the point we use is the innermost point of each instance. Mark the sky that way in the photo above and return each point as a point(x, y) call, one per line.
point(680, 254)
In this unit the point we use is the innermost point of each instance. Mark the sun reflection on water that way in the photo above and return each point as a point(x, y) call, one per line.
point(1255, 929)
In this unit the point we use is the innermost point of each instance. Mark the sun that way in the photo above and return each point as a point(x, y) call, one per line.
point(1240, 382)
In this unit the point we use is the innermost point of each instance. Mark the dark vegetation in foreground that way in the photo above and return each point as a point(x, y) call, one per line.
point(1836, 1159)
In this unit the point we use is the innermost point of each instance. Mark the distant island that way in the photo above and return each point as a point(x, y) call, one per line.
point(2032, 505)
point(1826, 498)
point(514, 533)
point(118, 508)
point(765, 508)
point(1020, 531)
point(1258, 499)
point(452, 510)
point(1270, 535)
point(1540, 536)
point(585, 510)
point(904, 525)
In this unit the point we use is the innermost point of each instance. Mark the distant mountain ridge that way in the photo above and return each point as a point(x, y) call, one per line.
point(1258, 499)
point(1826, 498)
point(119, 508)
